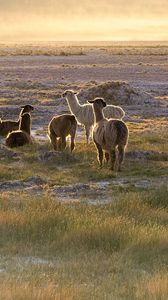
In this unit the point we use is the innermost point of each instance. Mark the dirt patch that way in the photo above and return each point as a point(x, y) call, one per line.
point(148, 155)
point(30, 183)
point(7, 153)
point(117, 92)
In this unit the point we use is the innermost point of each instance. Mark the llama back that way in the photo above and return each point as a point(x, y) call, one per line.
point(69, 124)
point(113, 111)
point(62, 124)
point(72, 119)
point(85, 115)
point(7, 126)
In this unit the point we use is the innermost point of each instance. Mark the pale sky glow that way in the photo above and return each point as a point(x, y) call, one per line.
point(88, 20)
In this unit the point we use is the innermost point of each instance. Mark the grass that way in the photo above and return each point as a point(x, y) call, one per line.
point(51, 250)
point(148, 137)
point(91, 252)
point(82, 166)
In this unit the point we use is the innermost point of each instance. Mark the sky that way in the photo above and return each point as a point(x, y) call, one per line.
point(89, 20)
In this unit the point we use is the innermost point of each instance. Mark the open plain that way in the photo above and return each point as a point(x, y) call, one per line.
point(69, 230)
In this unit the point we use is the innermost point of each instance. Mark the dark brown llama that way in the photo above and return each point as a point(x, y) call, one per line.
point(59, 128)
point(22, 136)
point(7, 126)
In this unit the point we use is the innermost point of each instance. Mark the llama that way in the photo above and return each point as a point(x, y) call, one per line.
point(59, 128)
point(22, 136)
point(7, 126)
point(84, 113)
point(108, 134)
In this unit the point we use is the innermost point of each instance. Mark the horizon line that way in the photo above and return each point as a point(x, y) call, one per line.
point(81, 41)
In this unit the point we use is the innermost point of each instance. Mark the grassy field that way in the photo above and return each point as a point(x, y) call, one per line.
point(119, 250)
point(56, 251)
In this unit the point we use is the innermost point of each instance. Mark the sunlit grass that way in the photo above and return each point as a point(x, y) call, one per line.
point(155, 287)
point(82, 165)
point(88, 251)
point(52, 250)
point(144, 137)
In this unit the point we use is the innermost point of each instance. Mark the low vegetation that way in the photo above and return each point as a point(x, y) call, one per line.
point(66, 49)
point(56, 250)
point(78, 251)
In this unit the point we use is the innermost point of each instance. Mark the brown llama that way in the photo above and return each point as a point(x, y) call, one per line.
point(108, 134)
point(7, 126)
point(22, 136)
point(59, 128)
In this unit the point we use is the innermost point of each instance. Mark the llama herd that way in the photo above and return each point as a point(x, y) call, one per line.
point(110, 133)
point(84, 113)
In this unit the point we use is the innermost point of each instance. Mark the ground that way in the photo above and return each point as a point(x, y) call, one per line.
point(69, 230)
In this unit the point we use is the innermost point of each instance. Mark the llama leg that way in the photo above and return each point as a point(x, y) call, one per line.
point(63, 142)
point(87, 129)
point(72, 133)
point(100, 154)
point(59, 144)
point(72, 142)
point(107, 156)
point(121, 152)
point(53, 139)
point(112, 158)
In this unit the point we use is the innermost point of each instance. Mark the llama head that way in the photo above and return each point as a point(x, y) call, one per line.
point(69, 93)
point(98, 102)
point(27, 108)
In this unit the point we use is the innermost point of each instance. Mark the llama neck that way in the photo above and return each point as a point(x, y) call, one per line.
point(98, 114)
point(22, 112)
point(25, 125)
point(73, 104)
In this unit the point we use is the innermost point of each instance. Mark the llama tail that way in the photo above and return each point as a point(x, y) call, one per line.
point(116, 133)
point(122, 132)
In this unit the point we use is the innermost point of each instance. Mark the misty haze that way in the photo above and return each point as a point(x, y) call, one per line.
point(87, 20)
point(83, 150)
